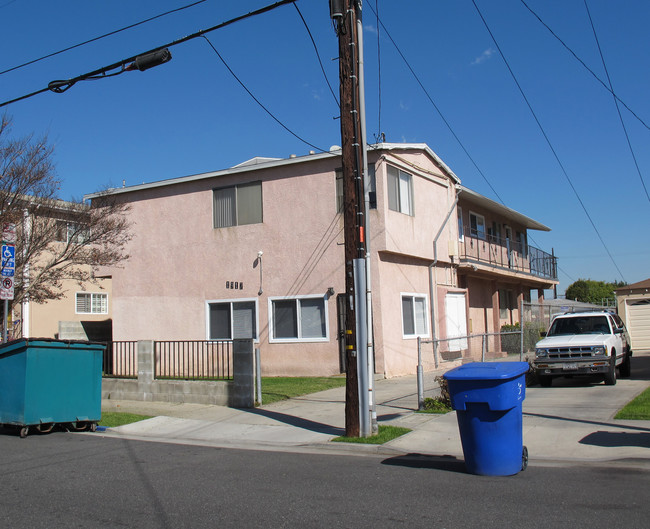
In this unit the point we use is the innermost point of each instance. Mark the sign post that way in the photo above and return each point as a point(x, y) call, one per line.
point(8, 260)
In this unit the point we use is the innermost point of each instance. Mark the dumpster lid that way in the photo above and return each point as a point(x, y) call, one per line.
point(487, 371)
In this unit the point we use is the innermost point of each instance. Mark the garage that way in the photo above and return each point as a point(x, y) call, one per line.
point(638, 317)
point(633, 305)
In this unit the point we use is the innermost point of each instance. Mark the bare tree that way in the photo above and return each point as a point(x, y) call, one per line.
point(55, 240)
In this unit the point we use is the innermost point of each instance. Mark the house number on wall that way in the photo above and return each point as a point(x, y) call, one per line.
point(235, 285)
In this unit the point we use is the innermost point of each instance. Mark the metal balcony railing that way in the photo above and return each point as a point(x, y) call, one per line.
point(507, 254)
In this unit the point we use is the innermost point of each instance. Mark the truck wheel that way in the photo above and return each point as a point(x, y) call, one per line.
point(625, 368)
point(545, 381)
point(610, 376)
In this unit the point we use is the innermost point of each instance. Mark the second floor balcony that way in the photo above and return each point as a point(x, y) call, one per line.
point(507, 255)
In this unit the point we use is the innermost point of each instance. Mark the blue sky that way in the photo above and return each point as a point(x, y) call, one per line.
point(190, 115)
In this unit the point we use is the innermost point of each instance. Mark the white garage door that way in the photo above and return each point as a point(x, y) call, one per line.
point(638, 323)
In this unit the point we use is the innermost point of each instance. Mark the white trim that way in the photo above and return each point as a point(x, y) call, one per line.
point(326, 338)
point(256, 339)
point(414, 295)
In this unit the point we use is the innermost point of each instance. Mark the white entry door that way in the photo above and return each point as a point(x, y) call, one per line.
point(456, 320)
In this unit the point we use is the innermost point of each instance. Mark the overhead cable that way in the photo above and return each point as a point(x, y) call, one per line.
point(548, 141)
point(258, 101)
point(317, 54)
point(618, 108)
point(608, 88)
point(100, 37)
point(436, 106)
point(124, 62)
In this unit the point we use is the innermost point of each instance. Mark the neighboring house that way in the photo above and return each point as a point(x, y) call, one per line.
point(83, 311)
point(257, 251)
point(633, 306)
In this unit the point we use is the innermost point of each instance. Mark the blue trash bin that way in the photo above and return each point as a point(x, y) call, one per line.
point(488, 397)
point(45, 382)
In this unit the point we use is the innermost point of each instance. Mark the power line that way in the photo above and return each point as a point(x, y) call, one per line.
point(436, 107)
point(317, 54)
point(380, 23)
point(608, 88)
point(122, 64)
point(618, 109)
point(100, 37)
point(258, 101)
point(548, 141)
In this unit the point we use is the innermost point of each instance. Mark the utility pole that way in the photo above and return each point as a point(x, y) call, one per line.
point(345, 14)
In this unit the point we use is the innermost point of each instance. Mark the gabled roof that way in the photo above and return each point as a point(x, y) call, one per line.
point(259, 163)
point(473, 197)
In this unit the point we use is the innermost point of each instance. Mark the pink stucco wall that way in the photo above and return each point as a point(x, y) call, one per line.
point(179, 262)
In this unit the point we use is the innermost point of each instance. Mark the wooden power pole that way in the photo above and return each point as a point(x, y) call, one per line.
point(345, 13)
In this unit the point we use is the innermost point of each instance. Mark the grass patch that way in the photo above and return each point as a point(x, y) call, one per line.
point(637, 409)
point(112, 419)
point(385, 434)
point(275, 389)
point(436, 405)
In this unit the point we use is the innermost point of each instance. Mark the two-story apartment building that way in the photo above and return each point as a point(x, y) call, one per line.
point(256, 250)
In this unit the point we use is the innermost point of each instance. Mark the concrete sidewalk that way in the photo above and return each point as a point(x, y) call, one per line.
point(570, 422)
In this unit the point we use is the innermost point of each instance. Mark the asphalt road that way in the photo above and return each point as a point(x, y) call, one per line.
point(86, 480)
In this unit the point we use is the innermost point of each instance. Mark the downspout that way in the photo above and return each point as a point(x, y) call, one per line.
point(433, 281)
point(433, 288)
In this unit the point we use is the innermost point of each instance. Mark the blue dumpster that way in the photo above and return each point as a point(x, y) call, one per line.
point(487, 397)
point(46, 382)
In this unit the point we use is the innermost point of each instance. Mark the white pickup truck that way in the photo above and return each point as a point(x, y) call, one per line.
point(583, 343)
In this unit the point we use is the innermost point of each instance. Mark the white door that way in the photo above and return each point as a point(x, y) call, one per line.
point(456, 320)
point(638, 323)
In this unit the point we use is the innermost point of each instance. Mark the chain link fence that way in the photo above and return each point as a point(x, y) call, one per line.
point(514, 342)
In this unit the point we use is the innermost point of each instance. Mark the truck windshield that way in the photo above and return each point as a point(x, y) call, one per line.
point(578, 325)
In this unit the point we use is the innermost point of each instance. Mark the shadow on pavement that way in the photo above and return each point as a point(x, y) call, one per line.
point(446, 463)
point(614, 439)
point(298, 422)
point(640, 367)
point(587, 421)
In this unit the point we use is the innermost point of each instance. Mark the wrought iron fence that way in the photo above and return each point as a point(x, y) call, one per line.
point(193, 360)
point(120, 359)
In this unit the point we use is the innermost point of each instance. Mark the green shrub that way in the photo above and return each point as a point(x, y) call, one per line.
point(511, 343)
point(441, 403)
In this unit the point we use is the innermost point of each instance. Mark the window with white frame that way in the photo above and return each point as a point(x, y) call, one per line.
point(461, 228)
point(477, 225)
point(298, 319)
point(91, 303)
point(414, 315)
point(238, 205)
point(229, 320)
point(400, 190)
